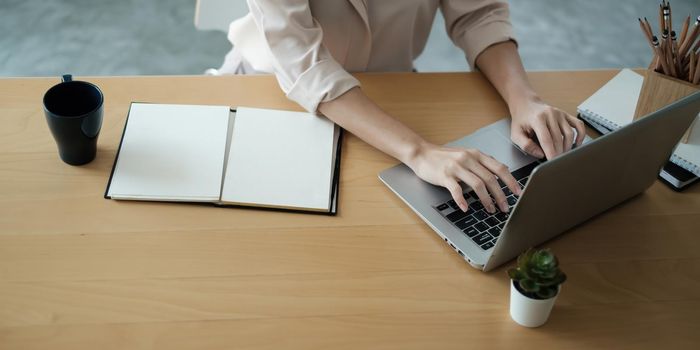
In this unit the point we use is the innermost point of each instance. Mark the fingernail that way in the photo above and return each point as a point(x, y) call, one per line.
point(504, 207)
point(463, 207)
point(491, 209)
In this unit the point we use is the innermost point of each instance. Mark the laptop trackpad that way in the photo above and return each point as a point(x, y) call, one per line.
point(494, 140)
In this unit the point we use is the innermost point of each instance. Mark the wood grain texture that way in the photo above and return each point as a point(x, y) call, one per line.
point(79, 271)
point(659, 91)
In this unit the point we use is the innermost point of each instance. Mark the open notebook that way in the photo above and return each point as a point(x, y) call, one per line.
point(212, 154)
point(613, 106)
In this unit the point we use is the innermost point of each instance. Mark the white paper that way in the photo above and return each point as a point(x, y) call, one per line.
point(171, 152)
point(614, 104)
point(280, 159)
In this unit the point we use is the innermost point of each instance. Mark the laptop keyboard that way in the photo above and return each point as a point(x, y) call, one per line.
point(479, 225)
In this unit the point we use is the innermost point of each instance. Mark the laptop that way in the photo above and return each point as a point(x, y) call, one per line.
point(558, 194)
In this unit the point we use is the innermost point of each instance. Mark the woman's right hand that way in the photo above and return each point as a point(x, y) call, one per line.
point(441, 166)
point(447, 167)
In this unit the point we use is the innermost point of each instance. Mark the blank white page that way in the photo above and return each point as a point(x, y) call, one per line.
point(171, 152)
point(614, 103)
point(280, 159)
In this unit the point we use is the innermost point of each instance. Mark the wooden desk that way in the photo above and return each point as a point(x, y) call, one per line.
point(79, 271)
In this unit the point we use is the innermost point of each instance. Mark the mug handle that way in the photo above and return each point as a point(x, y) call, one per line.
point(66, 78)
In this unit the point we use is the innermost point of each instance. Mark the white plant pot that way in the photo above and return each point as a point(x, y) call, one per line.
point(529, 312)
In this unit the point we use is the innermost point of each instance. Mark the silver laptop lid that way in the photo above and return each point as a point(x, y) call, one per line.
point(589, 180)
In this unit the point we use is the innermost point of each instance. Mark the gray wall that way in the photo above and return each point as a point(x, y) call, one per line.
point(132, 37)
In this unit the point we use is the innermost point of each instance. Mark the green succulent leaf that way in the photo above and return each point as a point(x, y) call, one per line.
point(528, 270)
point(546, 293)
point(537, 273)
point(529, 286)
point(543, 259)
point(549, 274)
point(524, 258)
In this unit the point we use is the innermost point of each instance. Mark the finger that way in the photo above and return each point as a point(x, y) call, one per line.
point(502, 172)
point(492, 185)
point(555, 134)
point(580, 128)
point(543, 136)
point(478, 185)
point(456, 192)
point(525, 142)
point(568, 133)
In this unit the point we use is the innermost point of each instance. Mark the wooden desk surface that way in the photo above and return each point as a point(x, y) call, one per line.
point(79, 271)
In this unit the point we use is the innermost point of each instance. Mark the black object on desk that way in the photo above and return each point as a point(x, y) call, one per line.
point(74, 113)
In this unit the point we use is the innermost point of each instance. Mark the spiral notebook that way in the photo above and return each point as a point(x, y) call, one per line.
point(613, 106)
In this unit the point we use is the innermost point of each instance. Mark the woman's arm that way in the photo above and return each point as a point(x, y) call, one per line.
point(533, 120)
point(309, 75)
point(441, 166)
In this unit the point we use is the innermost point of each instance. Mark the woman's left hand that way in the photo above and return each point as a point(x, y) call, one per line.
point(542, 130)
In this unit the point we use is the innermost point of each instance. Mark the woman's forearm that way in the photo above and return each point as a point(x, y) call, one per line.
point(441, 166)
point(502, 66)
point(358, 114)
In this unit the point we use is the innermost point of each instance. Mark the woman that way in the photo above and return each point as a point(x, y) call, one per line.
point(311, 45)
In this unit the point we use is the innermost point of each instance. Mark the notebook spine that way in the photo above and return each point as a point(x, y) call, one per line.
point(587, 113)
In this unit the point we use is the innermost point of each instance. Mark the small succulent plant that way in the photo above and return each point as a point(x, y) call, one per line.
point(537, 274)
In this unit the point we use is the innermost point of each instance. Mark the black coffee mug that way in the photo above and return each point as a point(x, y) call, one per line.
point(74, 113)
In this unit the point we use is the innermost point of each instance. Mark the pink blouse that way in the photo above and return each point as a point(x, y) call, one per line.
point(311, 45)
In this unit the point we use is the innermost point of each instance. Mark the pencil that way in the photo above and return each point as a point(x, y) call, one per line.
point(696, 74)
point(662, 25)
point(646, 33)
point(671, 64)
point(648, 25)
point(675, 57)
point(655, 61)
point(661, 57)
point(674, 43)
point(667, 16)
point(668, 55)
point(691, 68)
point(684, 29)
point(690, 39)
point(670, 16)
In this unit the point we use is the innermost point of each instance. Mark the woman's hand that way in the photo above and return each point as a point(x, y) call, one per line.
point(538, 128)
point(446, 167)
point(441, 166)
point(542, 130)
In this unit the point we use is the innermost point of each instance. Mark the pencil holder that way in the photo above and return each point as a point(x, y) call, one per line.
point(658, 91)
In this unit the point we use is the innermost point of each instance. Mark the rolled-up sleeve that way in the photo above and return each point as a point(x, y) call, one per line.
point(476, 25)
point(305, 69)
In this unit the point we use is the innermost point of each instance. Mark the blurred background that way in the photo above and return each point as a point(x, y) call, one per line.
point(156, 37)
